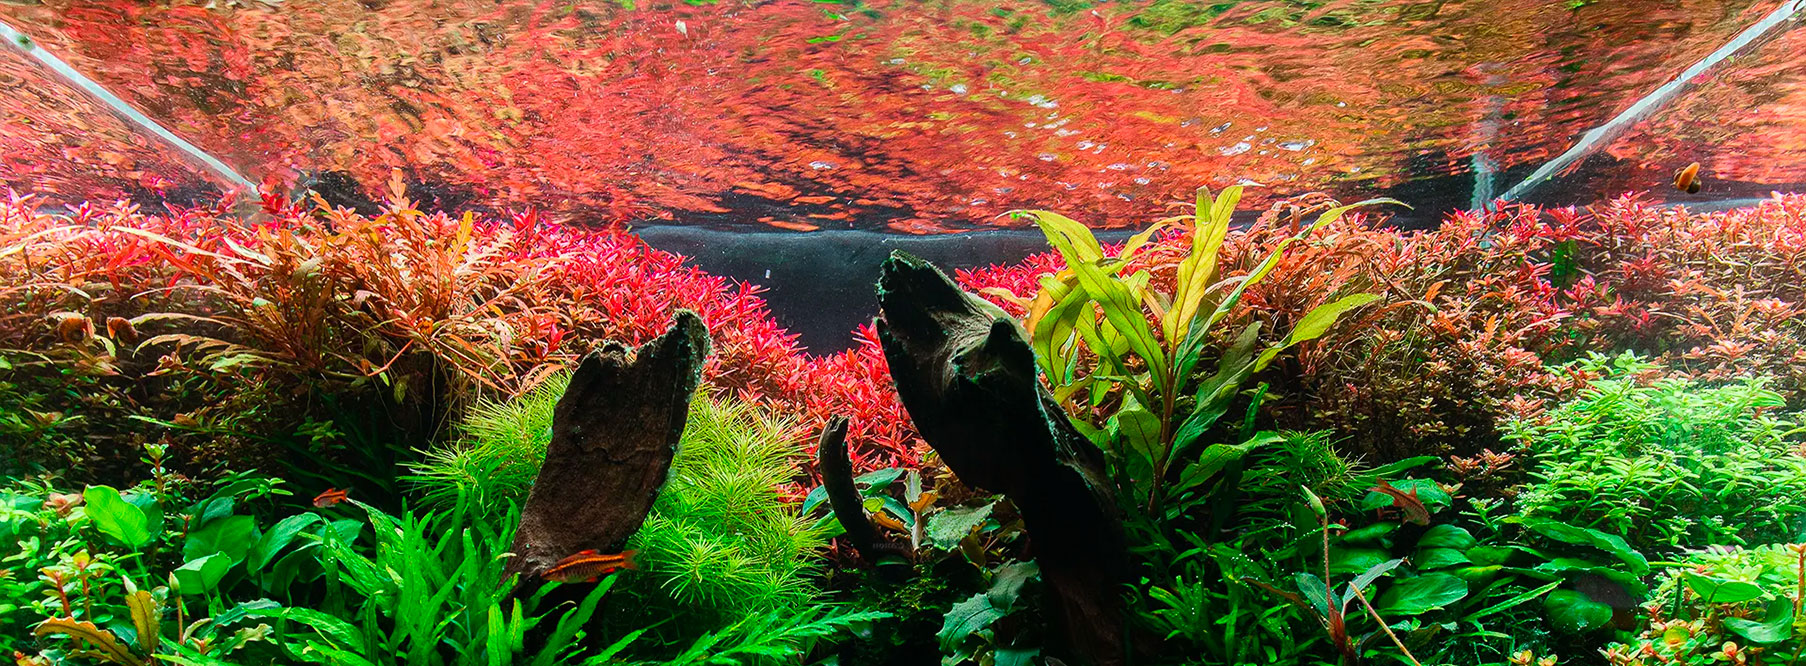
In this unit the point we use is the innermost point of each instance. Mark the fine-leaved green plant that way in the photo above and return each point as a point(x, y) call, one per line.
point(1668, 464)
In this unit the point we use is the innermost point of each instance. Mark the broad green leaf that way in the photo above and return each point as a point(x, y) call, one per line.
point(1447, 536)
point(968, 616)
point(1775, 626)
point(1372, 535)
point(1415, 596)
point(233, 536)
point(1355, 560)
point(1007, 583)
point(200, 576)
point(1489, 555)
point(1713, 590)
point(279, 537)
point(946, 528)
point(1314, 591)
point(1585, 536)
point(878, 480)
point(116, 518)
point(1439, 558)
point(1373, 573)
point(1574, 612)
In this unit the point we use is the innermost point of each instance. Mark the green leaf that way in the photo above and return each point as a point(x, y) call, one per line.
point(1415, 596)
point(340, 632)
point(277, 538)
point(1775, 626)
point(1489, 555)
point(878, 480)
point(1314, 591)
point(1314, 325)
point(1007, 583)
point(1715, 590)
point(1513, 602)
point(231, 536)
point(973, 614)
point(1447, 536)
point(116, 518)
point(1438, 558)
point(1373, 573)
point(202, 575)
point(1355, 560)
point(1574, 612)
point(947, 528)
point(1372, 535)
point(1585, 536)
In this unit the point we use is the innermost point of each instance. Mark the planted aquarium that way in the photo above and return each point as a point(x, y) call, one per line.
point(903, 332)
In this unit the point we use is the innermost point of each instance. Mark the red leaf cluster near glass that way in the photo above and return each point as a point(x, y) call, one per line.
point(1473, 312)
point(431, 309)
point(925, 116)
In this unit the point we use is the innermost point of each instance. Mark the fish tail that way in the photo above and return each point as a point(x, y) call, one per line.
point(627, 560)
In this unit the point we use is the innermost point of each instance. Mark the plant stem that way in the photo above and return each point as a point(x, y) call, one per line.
point(1383, 627)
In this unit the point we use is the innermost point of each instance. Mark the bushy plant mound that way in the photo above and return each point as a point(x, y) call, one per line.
point(1471, 312)
point(723, 534)
point(1669, 463)
point(240, 339)
point(1727, 605)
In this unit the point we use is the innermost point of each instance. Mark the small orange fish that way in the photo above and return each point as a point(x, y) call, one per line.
point(1687, 179)
point(331, 497)
point(1414, 509)
point(588, 565)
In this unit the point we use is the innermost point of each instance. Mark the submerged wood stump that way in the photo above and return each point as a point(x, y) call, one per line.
point(966, 374)
point(614, 434)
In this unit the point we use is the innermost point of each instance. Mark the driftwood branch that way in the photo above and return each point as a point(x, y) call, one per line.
point(614, 434)
point(966, 374)
point(843, 497)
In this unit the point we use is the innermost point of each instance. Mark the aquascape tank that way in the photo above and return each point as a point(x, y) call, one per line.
point(990, 332)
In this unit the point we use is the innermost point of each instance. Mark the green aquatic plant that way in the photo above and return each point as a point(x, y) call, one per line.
point(1668, 464)
point(1725, 605)
point(722, 535)
point(721, 544)
point(1110, 337)
point(498, 449)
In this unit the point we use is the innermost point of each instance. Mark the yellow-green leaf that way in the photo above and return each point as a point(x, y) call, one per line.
point(147, 618)
point(106, 644)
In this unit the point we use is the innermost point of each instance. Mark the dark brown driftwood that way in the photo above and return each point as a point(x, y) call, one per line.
point(614, 434)
point(966, 374)
point(843, 497)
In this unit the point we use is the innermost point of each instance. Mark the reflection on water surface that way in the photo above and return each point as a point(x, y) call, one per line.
point(907, 116)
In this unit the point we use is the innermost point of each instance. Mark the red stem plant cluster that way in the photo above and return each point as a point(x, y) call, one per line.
point(205, 329)
point(210, 330)
point(1473, 312)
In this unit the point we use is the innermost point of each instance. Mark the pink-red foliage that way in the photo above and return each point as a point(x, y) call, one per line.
point(198, 319)
point(1475, 310)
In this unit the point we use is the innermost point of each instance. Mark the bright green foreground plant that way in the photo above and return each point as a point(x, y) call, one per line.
point(721, 548)
point(1670, 464)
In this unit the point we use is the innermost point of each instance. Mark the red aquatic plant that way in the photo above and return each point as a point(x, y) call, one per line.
point(221, 332)
point(1474, 312)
